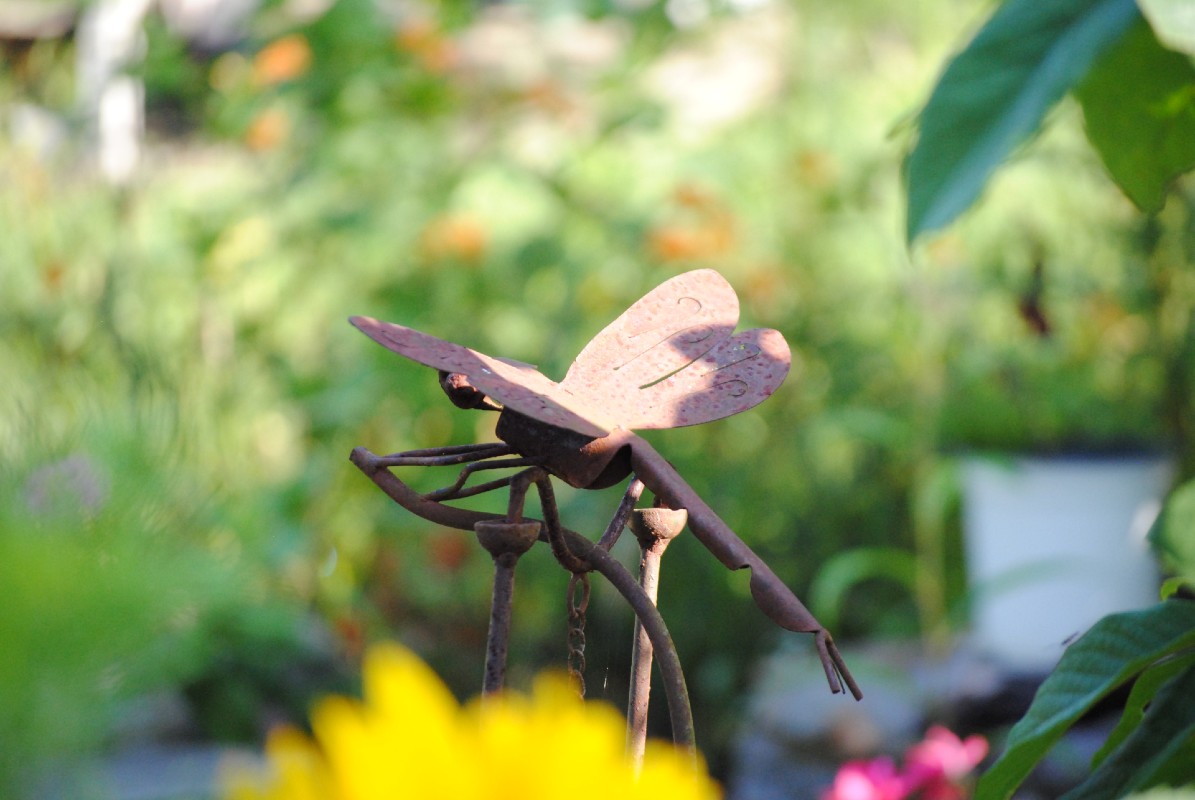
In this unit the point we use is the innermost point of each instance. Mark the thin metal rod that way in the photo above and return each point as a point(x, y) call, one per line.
point(673, 678)
point(619, 521)
point(498, 639)
point(506, 542)
point(641, 660)
point(654, 528)
point(454, 490)
point(547, 501)
point(452, 449)
point(472, 491)
point(519, 485)
point(446, 456)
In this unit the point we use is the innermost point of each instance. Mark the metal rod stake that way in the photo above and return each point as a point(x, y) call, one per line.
point(505, 541)
point(654, 528)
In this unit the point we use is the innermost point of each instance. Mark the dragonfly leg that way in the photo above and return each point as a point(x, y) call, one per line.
point(455, 490)
point(519, 485)
point(622, 514)
point(445, 456)
point(834, 665)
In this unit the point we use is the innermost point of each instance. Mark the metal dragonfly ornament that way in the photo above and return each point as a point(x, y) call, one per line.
point(670, 360)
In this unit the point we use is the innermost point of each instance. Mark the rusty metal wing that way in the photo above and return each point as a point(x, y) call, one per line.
point(670, 360)
point(513, 384)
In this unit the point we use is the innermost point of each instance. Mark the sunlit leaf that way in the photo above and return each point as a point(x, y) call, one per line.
point(1173, 22)
point(1113, 651)
point(1139, 106)
point(994, 94)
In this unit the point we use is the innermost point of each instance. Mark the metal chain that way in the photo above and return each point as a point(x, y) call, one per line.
point(577, 605)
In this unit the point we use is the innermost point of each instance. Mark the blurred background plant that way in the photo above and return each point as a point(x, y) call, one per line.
point(182, 390)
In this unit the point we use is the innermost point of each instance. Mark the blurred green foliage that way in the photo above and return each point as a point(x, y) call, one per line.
point(509, 177)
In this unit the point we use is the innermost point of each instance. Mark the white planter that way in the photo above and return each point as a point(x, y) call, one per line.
point(1052, 545)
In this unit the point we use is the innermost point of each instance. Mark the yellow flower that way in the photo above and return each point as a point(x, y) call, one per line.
point(410, 738)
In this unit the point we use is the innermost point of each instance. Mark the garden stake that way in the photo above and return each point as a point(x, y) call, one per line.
point(654, 528)
point(596, 559)
point(505, 541)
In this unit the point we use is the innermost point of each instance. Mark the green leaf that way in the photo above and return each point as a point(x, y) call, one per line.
point(1173, 535)
point(1161, 748)
point(1144, 689)
point(994, 94)
point(1113, 651)
point(1173, 22)
point(1139, 105)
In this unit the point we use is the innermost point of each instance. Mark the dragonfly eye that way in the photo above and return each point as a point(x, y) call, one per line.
point(464, 394)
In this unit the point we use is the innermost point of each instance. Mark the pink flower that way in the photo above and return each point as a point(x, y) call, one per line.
point(933, 765)
point(943, 752)
point(933, 770)
point(877, 779)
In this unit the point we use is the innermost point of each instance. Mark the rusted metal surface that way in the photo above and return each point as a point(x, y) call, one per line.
point(654, 528)
point(622, 514)
point(515, 385)
point(576, 605)
point(505, 542)
point(770, 593)
point(669, 360)
point(672, 359)
point(596, 558)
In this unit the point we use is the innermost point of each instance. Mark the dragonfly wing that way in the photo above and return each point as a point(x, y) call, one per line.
point(679, 321)
point(421, 347)
point(738, 374)
point(513, 384)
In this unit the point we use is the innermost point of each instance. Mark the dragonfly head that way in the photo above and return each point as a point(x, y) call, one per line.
point(464, 394)
point(585, 462)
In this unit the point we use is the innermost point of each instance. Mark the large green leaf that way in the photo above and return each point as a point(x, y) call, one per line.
point(1113, 651)
point(1139, 105)
point(1160, 749)
point(994, 94)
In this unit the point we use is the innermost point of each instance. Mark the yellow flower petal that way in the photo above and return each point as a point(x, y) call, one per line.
point(408, 737)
